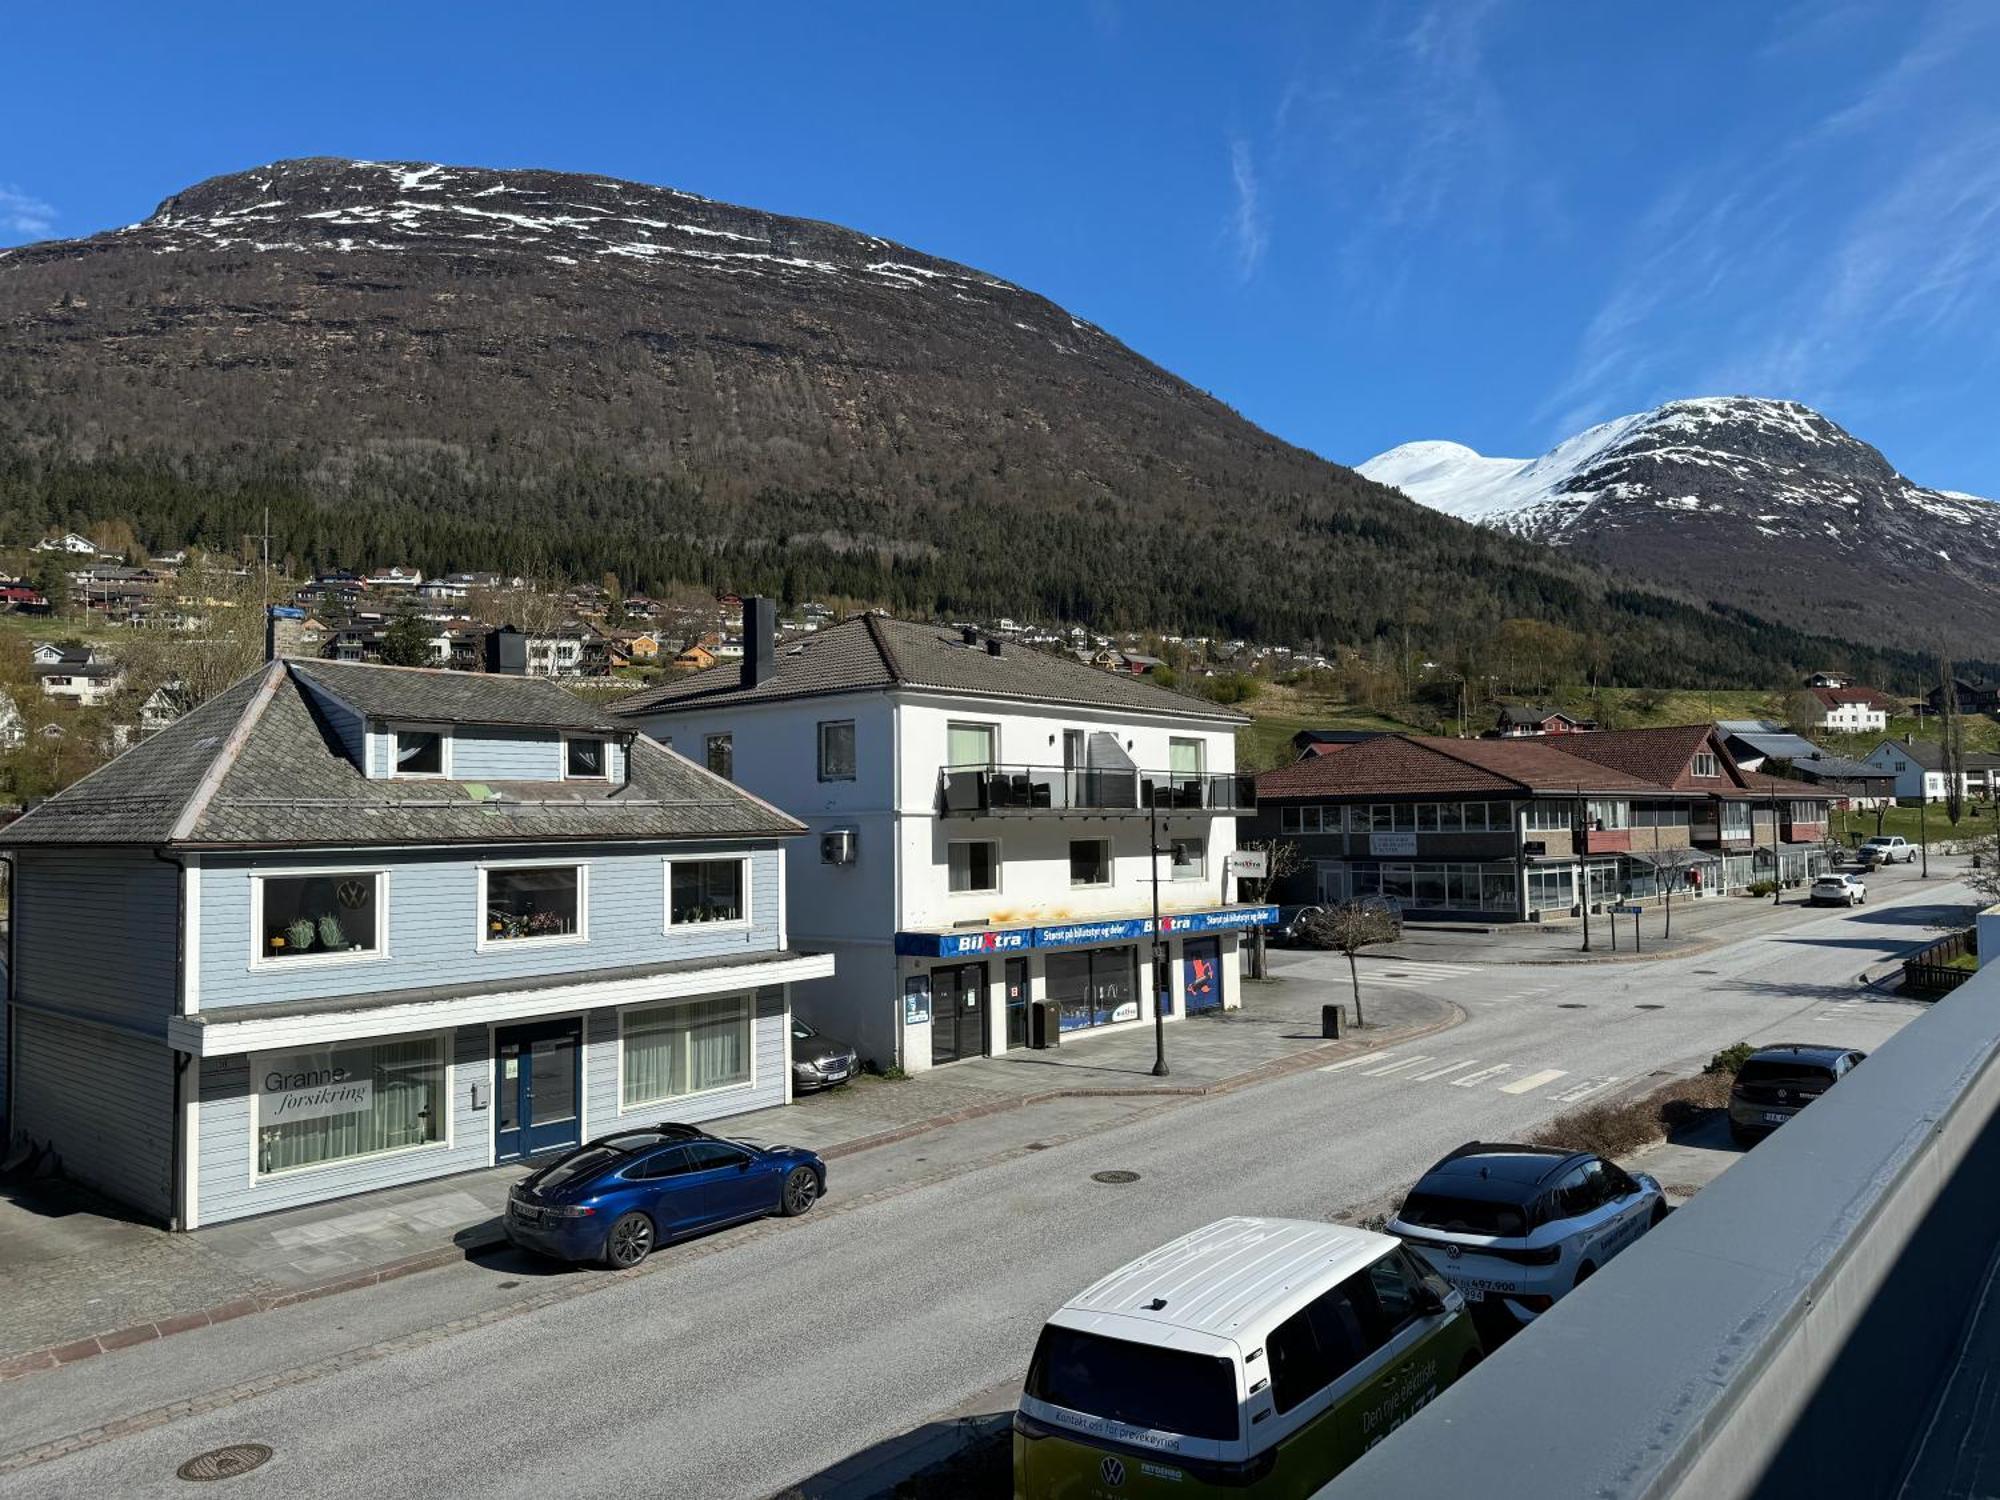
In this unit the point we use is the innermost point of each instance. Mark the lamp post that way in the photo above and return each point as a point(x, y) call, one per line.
point(1583, 864)
point(1160, 985)
point(1777, 855)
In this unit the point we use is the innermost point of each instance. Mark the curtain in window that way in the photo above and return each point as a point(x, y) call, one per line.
point(1184, 757)
point(969, 744)
point(674, 1050)
point(407, 1107)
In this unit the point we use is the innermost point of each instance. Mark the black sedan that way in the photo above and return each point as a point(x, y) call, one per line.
point(819, 1062)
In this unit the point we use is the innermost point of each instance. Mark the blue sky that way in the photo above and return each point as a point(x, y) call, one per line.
point(1358, 223)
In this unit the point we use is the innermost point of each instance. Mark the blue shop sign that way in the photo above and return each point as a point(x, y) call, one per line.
point(1087, 934)
point(1078, 934)
point(963, 944)
point(1220, 921)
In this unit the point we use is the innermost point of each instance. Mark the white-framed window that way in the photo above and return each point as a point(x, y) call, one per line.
point(708, 892)
point(1550, 816)
point(836, 750)
point(1609, 813)
point(685, 1047)
point(586, 757)
point(970, 746)
point(973, 866)
point(318, 916)
point(1706, 763)
point(720, 752)
point(1190, 859)
point(419, 750)
point(1090, 862)
point(319, 1106)
point(1736, 819)
point(533, 903)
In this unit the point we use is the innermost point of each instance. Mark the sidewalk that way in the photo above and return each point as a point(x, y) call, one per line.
point(77, 1280)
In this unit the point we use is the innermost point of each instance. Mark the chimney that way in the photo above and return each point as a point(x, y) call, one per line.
point(969, 634)
point(284, 631)
point(992, 647)
point(507, 652)
point(760, 640)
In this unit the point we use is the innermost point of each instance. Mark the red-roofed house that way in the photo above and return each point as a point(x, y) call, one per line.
point(1851, 710)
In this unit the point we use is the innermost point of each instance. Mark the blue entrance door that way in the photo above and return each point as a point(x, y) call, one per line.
point(537, 1089)
point(1201, 974)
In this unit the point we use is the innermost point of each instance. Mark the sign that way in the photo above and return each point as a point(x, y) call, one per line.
point(1233, 920)
point(1392, 843)
point(1078, 934)
point(963, 944)
point(1248, 864)
point(308, 1086)
point(1535, 848)
point(1085, 934)
point(1630, 911)
point(917, 1000)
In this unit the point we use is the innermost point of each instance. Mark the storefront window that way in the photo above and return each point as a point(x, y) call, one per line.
point(1550, 890)
point(704, 890)
point(306, 916)
point(328, 1104)
point(670, 1051)
point(1190, 859)
point(1095, 987)
point(538, 901)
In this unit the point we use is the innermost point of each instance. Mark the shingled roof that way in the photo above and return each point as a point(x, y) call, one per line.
point(874, 651)
point(437, 696)
point(1392, 765)
point(256, 767)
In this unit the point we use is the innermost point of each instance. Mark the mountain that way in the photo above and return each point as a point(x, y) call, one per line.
point(1766, 503)
point(457, 367)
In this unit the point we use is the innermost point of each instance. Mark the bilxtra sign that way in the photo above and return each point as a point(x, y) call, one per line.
point(1079, 934)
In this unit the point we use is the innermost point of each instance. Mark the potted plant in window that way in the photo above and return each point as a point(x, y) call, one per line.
point(331, 936)
point(299, 934)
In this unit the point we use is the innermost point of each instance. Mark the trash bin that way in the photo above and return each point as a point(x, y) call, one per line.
point(1045, 1024)
point(1329, 1022)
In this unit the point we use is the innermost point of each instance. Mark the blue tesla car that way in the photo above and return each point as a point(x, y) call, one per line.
point(615, 1198)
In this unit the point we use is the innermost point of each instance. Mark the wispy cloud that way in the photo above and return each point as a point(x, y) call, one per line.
point(22, 214)
point(1248, 226)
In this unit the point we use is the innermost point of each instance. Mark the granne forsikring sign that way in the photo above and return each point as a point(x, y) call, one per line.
point(308, 1086)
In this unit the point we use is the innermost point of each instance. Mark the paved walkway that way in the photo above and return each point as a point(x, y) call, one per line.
point(77, 1279)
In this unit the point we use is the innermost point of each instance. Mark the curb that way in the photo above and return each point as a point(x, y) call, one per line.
point(483, 1237)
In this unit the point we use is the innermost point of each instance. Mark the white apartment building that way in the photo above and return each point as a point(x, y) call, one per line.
point(1846, 710)
point(1918, 766)
point(983, 822)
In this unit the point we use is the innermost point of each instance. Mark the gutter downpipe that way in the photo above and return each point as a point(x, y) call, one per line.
point(177, 1210)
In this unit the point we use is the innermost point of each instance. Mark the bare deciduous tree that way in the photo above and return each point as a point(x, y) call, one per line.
point(1669, 867)
point(1348, 929)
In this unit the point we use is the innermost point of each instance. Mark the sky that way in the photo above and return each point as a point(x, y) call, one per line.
point(1357, 222)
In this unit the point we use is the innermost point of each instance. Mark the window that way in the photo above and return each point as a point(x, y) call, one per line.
point(1190, 859)
point(1705, 763)
point(1138, 1385)
point(1184, 761)
point(526, 903)
point(584, 759)
point(836, 750)
point(1609, 814)
point(1549, 890)
point(712, 1156)
point(1396, 1290)
point(328, 1104)
point(332, 915)
point(695, 1047)
point(1089, 862)
point(706, 890)
point(1549, 817)
point(1314, 1347)
point(721, 754)
point(419, 752)
point(1736, 820)
point(974, 867)
point(1309, 819)
point(970, 745)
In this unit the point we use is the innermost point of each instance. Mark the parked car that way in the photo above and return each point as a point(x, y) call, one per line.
point(819, 1062)
point(1287, 930)
point(1777, 1082)
point(1516, 1227)
point(1887, 849)
point(618, 1197)
point(1835, 889)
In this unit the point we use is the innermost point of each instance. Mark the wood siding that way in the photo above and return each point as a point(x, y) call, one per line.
point(767, 1086)
point(104, 1101)
point(95, 931)
point(506, 755)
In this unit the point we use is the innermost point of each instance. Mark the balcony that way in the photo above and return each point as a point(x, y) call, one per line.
point(1111, 792)
point(1607, 840)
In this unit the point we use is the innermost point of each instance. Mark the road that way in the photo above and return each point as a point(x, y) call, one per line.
point(763, 1357)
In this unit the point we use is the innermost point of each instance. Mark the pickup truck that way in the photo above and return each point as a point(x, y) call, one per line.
point(1888, 849)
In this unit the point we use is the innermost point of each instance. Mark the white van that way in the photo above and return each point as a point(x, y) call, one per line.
point(1256, 1357)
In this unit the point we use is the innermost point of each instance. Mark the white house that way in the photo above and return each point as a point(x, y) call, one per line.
point(73, 670)
point(1918, 766)
point(68, 542)
point(981, 814)
point(1851, 710)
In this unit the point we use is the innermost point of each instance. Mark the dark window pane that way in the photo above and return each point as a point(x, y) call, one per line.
point(419, 752)
point(707, 1156)
point(1165, 1390)
point(583, 757)
point(308, 914)
point(669, 1163)
point(531, 903)
point(1089, 862)
point(1313, 1348)
point(707, 890)
point(722, 754)
point(1463, 1215)
point(836, 751)
point(1795, 1074)
point(579, 1168)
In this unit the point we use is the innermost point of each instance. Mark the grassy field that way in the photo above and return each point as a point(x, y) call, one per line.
point(1918, 824)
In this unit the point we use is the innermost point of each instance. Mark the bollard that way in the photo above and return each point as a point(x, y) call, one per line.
point(1329, 1022)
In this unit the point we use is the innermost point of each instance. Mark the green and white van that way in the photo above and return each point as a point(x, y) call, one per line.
point(1256, 1358)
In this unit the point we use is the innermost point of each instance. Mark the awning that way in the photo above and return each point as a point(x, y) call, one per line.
point(1089, 932)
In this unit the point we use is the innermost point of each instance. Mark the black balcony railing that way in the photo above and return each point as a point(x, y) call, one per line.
point(978, 791)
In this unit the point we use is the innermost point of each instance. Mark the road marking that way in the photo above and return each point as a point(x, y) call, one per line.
point(1396, 1067)
point(1534, 1081)
point(1581, 1091)
point(1355, 1062)
point(1441, 1072)
point(1472, 1079)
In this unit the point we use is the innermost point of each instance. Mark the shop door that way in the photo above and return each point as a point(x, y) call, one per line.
point(1017, 1002)
point(958, 1013)
point(1201, 974)
point(537, 1089)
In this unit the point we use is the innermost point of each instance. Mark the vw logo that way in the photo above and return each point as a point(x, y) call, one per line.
point(1112, 1470)
point(1782, 1094)
point(1452, 1252)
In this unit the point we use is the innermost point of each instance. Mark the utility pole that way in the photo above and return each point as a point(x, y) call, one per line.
point(1923, 828)
point(1777, 855)
point(1583, 864)
point(1161, 983)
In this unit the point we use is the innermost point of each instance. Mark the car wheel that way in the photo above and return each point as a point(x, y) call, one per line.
point(800, 1194)
point(629, 1242)
point(1660, 1212)
point(1583, 1273)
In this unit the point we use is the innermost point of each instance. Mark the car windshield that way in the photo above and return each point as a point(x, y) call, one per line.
point(1785, 1070)
point(1463, 1215)
point(585, 1164)
point(1163, 1390)
point(800, 1031)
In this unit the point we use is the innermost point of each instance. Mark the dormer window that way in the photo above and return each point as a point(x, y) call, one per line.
point(1705, 763)
point(419, 752)
point(584, 759)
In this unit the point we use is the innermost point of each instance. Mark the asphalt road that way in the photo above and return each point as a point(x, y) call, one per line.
point(765, 1357)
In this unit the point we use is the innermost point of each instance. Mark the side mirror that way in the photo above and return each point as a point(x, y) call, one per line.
point(1429, 1303)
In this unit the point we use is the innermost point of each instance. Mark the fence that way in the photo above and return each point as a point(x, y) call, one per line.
point(1930, 972)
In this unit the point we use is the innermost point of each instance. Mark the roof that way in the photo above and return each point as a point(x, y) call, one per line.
point(1665, 757)
point(1928, 755)
point(1497, 1170)
point(1391, 765)
point(1867, 697)
point(1232, 1274)
point(257, 767)
point(1517, 713)
point(1799, 1051)
point(877, 652)
point(439, 695)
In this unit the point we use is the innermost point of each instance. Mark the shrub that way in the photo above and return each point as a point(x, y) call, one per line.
point(1761, 887)
point(1730, 1060)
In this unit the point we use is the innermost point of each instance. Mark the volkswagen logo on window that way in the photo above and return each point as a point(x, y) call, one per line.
point(1452, 1252)
point(1112, 1470)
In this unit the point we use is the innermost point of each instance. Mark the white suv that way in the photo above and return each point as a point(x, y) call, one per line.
point(1888, 849)
point(1839, 890)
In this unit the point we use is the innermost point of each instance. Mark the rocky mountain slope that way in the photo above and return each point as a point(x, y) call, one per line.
point(1764, 503)
point(458, 367)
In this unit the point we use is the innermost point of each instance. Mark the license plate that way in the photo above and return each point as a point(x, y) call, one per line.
point(526, 1214)
point(1771, 1118)
point(1472, 1293)
point(837, 1074)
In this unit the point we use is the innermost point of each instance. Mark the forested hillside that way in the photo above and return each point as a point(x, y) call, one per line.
point(561, 375)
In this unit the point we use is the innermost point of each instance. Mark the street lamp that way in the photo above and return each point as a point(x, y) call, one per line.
point(1583, 863)
point(1777, 855)
point(1160, 980)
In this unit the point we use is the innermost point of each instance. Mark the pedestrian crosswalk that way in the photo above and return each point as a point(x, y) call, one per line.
point(1560, 1085)
point(1497, 985)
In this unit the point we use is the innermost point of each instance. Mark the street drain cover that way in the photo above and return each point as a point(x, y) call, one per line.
point(1117, 1176)
point(1642, 1005)
point(225, 1463)
point(1038, 1145)
point(1572, 1005)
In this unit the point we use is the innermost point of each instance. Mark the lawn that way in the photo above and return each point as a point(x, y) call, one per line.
point(1918, 824)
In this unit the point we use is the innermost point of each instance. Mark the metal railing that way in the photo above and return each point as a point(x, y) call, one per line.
point(1930, 971)
point(976, 791)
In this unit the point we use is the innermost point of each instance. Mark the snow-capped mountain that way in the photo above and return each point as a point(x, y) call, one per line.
point(1745, 501)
